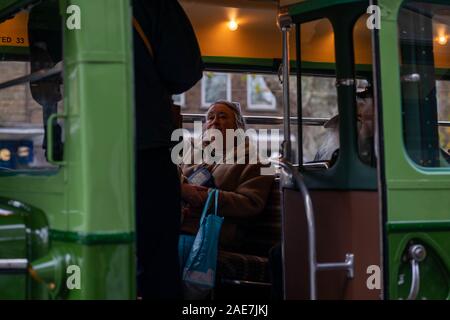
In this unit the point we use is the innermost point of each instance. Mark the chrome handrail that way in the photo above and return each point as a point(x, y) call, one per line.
point(35, 76)
point(287, 144)
point(416, 254)
point(314, 266)
point(277, 120)
point(269, 120)
point(13, 264)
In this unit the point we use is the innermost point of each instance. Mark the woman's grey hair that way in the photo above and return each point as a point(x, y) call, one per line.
point(236, 108)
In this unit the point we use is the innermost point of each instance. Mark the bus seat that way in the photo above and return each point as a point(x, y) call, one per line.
point(249, 266)
point(233, 266)
point(262, 232)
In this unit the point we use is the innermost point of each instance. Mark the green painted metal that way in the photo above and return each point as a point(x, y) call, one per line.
point(9, 7)
point(100, 192)
point(349, 172)
point(434, 270)
point(86, 184)
point(13, 51)
point(316, 5)
point(23, 235)
point(50, 139)
point(271, 64)
point(416, 197)
point(92, 238)
point(88, 201)
point(422, 226)
point(259, 62)
point(13, 245)
point(106, 271)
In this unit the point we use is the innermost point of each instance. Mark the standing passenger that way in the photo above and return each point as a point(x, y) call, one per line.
point(167, 61)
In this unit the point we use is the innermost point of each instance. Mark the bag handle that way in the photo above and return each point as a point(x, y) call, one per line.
point(211, 193)
point(216, 202)
point(206, 206)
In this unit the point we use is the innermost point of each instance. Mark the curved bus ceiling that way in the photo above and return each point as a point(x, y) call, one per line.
point(258, 35)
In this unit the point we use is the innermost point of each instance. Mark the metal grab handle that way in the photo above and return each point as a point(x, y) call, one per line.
point(312, 249)
point(417, 254)
point(50, 120)
point(14, 264)
point(347, 265)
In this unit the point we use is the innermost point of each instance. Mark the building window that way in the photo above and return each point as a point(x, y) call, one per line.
point(259, 96)
point(215, 86)
point(179, 99)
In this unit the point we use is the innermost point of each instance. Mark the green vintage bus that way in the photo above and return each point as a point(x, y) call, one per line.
point(358, 227)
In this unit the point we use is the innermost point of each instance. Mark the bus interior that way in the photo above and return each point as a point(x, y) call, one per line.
point(243, 42)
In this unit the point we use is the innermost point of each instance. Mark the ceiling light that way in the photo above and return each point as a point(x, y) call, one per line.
point(442, 40)
point(233, 25)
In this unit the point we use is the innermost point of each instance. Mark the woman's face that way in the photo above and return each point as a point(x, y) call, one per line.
point(220, 117)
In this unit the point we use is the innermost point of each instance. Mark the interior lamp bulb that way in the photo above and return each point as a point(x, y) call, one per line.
point(233, 25)
point(442, 40)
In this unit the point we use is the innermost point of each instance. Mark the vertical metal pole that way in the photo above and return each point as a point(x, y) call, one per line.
point(298, 59)
point(287, 147)
point(308, 203)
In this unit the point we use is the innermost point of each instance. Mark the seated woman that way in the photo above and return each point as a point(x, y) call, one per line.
point(243, 190)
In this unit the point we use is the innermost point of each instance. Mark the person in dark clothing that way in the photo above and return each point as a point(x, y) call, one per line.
point(167, 61)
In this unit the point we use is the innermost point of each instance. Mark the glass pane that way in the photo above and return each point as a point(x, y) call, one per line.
point(25, 108)
point(240, 89)
point(365, 112)
point(214, 87)
point(425, 74)
point(443, 94)
point(179, 99)
point(319, 94)
point(259, 95)
point(319, 101)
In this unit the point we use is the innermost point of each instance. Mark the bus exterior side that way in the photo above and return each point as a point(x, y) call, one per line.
point(371, 223)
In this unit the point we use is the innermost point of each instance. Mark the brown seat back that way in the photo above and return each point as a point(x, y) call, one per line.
point(264, 231)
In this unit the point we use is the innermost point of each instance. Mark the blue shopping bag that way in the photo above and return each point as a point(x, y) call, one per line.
point(199, 273)
point(185, 243)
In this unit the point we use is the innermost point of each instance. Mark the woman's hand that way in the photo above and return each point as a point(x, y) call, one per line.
point(194, 195)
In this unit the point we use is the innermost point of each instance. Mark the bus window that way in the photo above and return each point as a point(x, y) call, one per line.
point(365, 112)
point(319, 94)
point(425, 73)
point(260, 98)
point(25, 106)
